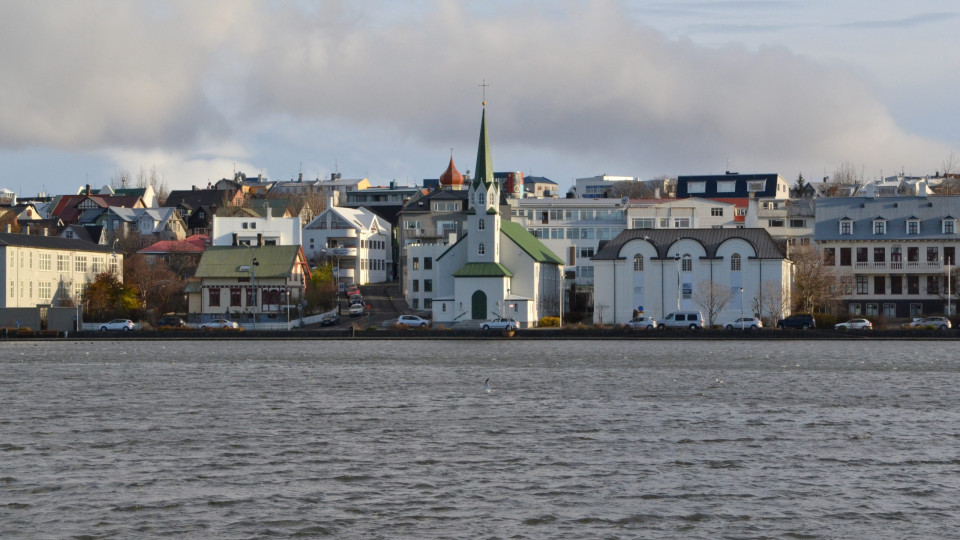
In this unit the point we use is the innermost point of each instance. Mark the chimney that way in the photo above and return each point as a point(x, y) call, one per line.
point(235, 243)
point(8, 228)
point(193, 188)
point(300, 178)
point(656, 193)
point(88, 190)
point(260, 177)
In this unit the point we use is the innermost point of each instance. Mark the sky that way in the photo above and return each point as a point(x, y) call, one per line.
point(389, 90)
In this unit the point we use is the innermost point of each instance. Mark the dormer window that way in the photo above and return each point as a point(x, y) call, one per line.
point(948, 225)
point(879, 226)
point(846, 226)
point(757, 186)
point(913, 226)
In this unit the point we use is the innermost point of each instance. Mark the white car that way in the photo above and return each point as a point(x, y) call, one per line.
point(118, 324)
point(746, 323)
point(854, 324)
point(356, 310)
point(219, 323)
point(500, 323)
point(413, 320)
point(641, 323)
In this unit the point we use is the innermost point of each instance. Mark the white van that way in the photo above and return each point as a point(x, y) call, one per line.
point(682, 319)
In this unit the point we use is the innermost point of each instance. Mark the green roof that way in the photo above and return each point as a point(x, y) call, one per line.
point(483, 270)
point(529, 243)
point(234, 262)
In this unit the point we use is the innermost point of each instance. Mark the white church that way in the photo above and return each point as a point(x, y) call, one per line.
point(496, 268)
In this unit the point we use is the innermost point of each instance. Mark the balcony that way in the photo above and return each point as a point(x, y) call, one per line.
point(910, 266)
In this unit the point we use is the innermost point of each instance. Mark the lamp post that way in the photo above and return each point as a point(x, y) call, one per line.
point(253, 280)
point(676, 259)
point(741, 308)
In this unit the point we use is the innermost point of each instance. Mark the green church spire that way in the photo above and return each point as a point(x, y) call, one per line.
point(483, 174)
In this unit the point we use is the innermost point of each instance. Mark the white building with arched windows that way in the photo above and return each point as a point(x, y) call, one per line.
point(660, 271)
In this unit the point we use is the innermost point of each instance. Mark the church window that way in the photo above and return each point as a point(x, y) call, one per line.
point(687, 263)
point(638, 263)
point(481, 198)
point(480, 249)
point(481, 225)
point(735, 262)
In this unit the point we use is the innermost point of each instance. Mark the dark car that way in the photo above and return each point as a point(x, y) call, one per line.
point(798, 320)
point(170, 320)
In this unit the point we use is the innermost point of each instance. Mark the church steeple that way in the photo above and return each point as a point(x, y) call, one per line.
point(483, 174)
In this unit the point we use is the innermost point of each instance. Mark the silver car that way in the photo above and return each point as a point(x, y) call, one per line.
point(641, 323)
point(118, 324)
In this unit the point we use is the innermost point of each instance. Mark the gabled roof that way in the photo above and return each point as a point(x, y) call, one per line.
point(529, 243)
point(227, 261)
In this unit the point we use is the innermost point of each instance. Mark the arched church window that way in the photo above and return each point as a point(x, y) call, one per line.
point(480, 249)
point(481, 225)
point(735, 262)
point(481, 198)
point(687, 263)
point(638, 263)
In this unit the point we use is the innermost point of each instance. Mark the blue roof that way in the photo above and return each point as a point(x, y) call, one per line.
point(863, 211)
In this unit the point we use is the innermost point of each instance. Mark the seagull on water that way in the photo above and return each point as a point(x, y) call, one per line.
point(486, 386)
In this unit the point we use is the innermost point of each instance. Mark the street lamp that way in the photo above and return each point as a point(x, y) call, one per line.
point(741, 308)
point(676, 259)
point(253, 280)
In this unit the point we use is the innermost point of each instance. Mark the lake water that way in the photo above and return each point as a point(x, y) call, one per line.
point(397, 439)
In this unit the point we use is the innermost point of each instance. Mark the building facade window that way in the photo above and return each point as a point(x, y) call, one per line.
point(845, 259)
point(80, 264)
point(879, 285)
point(913, 226)
point(716, 212)
point(687, 263)
point(846, 227)
point(480, 249)
point(879, 226)
point(235, 296)
point(213, 296)
point(735, 262)
point(879, 254)
point(638, 263)
point(481, 224)
point(862, 285)
point(949, 226)
point(45, 261)
point(829, 256)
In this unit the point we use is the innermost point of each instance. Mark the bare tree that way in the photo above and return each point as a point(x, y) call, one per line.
point(846, 174)
point(951, 164)
point(632, 190)
point(773, 302)
point(712, 297)
point(155, 180)
point(814, 283)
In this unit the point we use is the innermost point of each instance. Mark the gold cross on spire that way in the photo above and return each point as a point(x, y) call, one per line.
point(484, 85)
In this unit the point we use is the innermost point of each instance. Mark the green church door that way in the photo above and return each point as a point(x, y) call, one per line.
point(479, 304)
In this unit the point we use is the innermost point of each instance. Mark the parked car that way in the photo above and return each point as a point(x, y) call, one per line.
point(413, 320)
point(682, 319)
point(352, 290)
point(797, 320)
point(746, 323)
point(940, 323)
point(641, 322)
point(854, 324)
point(118, 324)
point(500, 323)
point(171, 320)
point(219, 323)
point(354, 299)
point(330, 319)
point(356, 310)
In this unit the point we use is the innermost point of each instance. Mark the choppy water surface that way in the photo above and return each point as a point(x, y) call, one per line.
point(584, 439)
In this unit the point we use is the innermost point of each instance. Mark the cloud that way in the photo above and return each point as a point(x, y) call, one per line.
point(578, 85)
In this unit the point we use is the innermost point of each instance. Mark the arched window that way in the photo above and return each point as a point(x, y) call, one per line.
point(735, 262)
point(638, 263)
point(481, 198)
point(480, 248)
point(687, 263)
point(481, 225)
